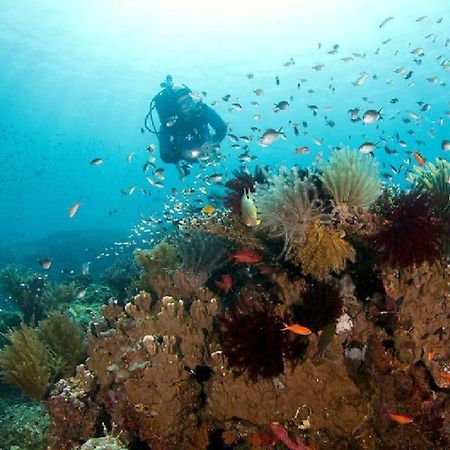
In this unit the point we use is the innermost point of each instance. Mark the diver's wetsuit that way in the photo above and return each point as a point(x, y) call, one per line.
point(188, 133)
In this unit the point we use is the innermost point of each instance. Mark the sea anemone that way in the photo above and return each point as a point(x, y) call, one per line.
point(286, 206)
point(351, 178)
point(321, 305)
point(412, 233)
point(323, 251)
point(252, 339)
point(243, 180)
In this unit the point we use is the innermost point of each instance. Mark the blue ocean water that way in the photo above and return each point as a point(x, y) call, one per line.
point(77, 78)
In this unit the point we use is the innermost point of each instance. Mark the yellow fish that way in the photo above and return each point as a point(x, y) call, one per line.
point(248, 209)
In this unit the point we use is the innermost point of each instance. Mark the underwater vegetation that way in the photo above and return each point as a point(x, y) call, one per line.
point(35, 357)
point(24, 290)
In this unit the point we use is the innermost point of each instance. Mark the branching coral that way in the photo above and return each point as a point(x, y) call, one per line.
point(351, 178)
point(286, 206)
point(25, 362)
point(412, 233)
point(252, 339)
point(324, 251)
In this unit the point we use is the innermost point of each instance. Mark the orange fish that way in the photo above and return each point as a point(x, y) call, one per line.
point(445, 376)
point(400, 419)
point(419, 158)
point(74, 208)
point(208, 209)
point(297, 329)
point(246, 256)
point(225, 284)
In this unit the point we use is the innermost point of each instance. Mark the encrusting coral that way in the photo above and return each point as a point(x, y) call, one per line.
point(351, 178)
point(323, 251)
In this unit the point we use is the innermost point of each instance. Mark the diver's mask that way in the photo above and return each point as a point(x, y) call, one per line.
point(186, 105)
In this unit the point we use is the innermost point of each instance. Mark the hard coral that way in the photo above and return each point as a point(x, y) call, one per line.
point(73, 411)
point(286, 206)
point(252, 339)
point(412, 233)
point(323, 251)
point(141, 361)
point(351, 178)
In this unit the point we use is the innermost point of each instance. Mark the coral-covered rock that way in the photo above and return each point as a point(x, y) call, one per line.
point(335, 403)
point(145, 363)
point(72, 409)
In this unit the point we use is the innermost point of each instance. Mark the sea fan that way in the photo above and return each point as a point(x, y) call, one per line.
point(286, 206)
point(243, 180)
point(351, 178)
point(252, 339)
point(412, 232)
point(321, 305)
point(323, 251)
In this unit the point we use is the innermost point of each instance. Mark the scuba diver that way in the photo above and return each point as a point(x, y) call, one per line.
point(184, 133)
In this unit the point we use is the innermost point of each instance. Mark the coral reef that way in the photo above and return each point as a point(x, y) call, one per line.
point(323, 251)
point(286, 206)
point(73, 412)
point(162, 258)
point(141, 357)
point(24, 290)
point(321, 304)
point(23, 425)
point(201, 254)
point(252, 339)
point(121, 276)
point(351, 178)
point(56, 296)
point(412, 233)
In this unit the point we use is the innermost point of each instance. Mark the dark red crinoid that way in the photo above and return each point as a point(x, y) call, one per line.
point(412, 233)
point(243, 180)
point(321, 305)
point(252, 339)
